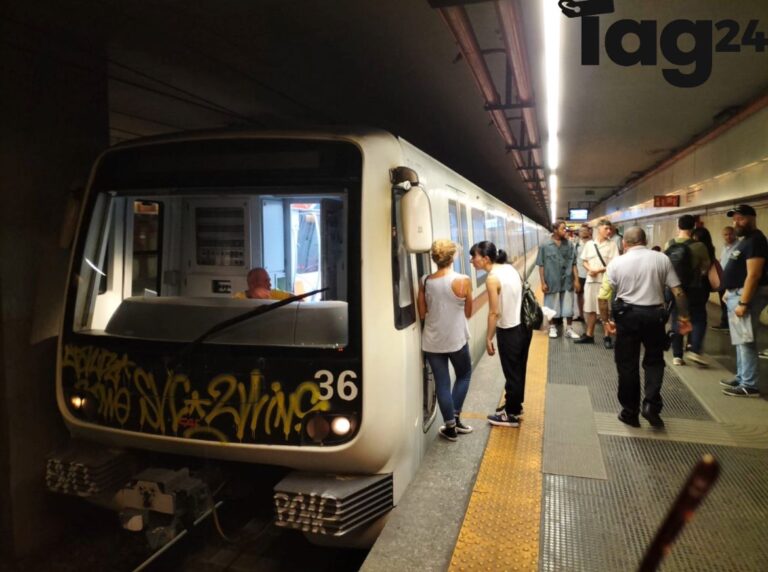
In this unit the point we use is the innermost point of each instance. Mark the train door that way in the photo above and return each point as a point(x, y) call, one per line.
point(429, 389)
point(405, 307)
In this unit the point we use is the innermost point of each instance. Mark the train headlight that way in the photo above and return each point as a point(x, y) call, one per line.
point(318, 428)
point(330, 428)
point(341, 425)
point(78, 401)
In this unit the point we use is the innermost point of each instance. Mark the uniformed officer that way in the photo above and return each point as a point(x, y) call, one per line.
point(638, 278)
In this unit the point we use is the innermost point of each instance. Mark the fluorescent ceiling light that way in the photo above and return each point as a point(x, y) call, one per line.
point(552, 22)
point(553, 196)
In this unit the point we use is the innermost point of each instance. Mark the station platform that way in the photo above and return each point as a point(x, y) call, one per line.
point(574, 489)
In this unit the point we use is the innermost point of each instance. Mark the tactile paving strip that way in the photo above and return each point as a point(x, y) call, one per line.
point(502, 524)
point(594, 367)
point(597, 525)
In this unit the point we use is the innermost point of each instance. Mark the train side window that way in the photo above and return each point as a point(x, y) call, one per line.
point(478, 235)
point(402, 275)
point(465, 241)
point(495, 228)
point(514, 232)
point(453, 218)
point(457, 214)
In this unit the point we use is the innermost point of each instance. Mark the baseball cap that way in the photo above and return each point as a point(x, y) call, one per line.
point(745, 210)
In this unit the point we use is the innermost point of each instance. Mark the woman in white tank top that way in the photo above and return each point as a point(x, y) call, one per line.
point(445, 303)
point(505, 294)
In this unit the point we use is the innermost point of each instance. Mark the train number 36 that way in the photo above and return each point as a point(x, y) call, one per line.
point(346, 389)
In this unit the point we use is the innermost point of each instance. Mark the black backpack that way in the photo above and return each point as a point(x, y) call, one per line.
point(531, 315)
point(681, 257)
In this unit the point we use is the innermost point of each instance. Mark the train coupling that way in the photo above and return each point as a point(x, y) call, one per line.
point(331, 505)
point(163, 502)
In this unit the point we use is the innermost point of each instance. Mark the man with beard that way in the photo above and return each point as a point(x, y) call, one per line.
point(746, 292)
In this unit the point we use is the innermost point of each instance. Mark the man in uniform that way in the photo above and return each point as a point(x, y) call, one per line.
point(746, 293)
point(638, 278)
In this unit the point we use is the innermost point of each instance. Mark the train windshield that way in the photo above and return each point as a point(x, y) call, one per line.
point(170, 265)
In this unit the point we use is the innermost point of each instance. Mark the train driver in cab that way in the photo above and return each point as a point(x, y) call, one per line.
point(260, 287)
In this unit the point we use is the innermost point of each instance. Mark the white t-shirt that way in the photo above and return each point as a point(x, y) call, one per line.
point(510, 296)
point(445, 326)
point(608, 251)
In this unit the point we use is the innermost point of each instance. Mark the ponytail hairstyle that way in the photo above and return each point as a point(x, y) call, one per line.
point(487, 248)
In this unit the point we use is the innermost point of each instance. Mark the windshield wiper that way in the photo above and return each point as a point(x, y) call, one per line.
point(187, 349)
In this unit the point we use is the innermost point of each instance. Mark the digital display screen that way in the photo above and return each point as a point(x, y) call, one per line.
point(578, 214)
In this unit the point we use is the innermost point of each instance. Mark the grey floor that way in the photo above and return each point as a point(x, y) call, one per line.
point(606, 486)
point(606, 522)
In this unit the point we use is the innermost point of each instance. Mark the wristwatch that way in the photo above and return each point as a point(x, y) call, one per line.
point(743, 303)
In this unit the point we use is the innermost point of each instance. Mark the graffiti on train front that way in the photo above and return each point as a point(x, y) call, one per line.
point(169, 404)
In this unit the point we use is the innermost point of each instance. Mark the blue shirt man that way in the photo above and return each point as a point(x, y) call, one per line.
point(559, 277)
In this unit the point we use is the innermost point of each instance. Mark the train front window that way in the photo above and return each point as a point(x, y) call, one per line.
point(169, 265)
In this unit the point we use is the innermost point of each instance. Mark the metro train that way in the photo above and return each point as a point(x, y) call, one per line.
point(156, 354)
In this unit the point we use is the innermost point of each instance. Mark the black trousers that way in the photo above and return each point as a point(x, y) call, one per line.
point(640, 325)
point(514, 344)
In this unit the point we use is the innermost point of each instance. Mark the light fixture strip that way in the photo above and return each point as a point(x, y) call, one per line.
point(552, 75)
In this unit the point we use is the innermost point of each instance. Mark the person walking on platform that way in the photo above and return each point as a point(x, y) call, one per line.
point(691, 262)
point(505, 292)
point(616, 237)
point(595, 257)
point(638, 316)
point(746, 293)
point(559, 277)
point(729, 245)
point(585, 235)
point(445, 303)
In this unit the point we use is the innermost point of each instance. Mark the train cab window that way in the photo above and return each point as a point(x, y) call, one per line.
point(402, 276)
point(147, 237)
point(168, 265)
point(478, 235)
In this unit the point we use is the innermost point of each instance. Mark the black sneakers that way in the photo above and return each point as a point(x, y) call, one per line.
point(608, 342)
point(504, 419)
point(741, 391)
point(461, 428)
point(448, 432)
point(585, 339)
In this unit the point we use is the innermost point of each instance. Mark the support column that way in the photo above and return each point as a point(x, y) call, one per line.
point(53, 123)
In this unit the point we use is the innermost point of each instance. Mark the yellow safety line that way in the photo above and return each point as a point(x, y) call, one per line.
point(502, 523)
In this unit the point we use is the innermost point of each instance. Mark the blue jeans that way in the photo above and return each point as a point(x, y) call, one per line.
point(697, 306)
point(451, 402)
point(560, 302)
point(747, 361)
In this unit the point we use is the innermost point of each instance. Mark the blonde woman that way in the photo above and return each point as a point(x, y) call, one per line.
point(445, 303)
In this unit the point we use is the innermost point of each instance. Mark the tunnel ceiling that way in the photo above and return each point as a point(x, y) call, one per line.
point(179, 65)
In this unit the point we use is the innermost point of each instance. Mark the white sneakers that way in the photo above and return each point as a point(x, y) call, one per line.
point(697, 359)
point(569, 333)
point(678, 361)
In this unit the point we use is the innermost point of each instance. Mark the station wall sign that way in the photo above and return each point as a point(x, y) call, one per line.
point(666, 200)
